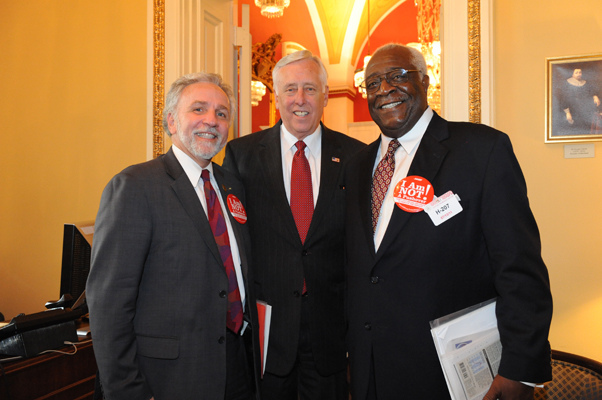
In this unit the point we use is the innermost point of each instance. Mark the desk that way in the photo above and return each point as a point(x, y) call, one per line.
point(50, 376)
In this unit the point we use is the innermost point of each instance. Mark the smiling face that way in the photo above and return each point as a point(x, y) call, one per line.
point(396, 109)
point(301, 97)
point(577, 74)
point(200, 126)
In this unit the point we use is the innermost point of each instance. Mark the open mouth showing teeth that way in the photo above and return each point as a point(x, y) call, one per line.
point(301, 113)
point(391, 105)
point(205, 135)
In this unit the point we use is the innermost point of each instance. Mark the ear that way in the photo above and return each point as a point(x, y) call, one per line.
point(171, 124)
point(326, 96)
point(426, 82)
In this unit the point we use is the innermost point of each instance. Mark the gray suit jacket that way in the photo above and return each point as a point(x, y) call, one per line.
point(281, 261)
point(156, 286)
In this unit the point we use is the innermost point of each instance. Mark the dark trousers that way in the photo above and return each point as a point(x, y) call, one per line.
point(304, 382)
point(238, 376)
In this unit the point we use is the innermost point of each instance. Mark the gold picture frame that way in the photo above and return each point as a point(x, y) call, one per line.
point(573, 98)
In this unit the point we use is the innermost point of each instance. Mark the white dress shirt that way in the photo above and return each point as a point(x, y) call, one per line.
point(193, 171)
point(403, 159)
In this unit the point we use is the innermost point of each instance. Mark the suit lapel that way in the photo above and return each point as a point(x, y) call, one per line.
point(427, 162)
point(366, 162)
point(331, 164)
point(190, 202)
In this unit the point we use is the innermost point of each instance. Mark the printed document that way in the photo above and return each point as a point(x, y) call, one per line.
point(469, 349)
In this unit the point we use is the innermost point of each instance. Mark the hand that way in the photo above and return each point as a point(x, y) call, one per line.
point(506, 389)
point(569, 118)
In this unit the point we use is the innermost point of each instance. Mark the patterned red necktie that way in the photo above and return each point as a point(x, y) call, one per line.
point(302, 196)
point(382, 180)
point(220, 232)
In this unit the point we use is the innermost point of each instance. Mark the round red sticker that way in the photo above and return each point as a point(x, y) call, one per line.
point(237, 209)
point(412, 193)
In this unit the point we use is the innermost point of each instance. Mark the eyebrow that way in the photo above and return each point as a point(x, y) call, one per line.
point(206, 104)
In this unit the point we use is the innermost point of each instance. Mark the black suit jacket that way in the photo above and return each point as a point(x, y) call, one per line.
point(281, 262)
point(422, 271)
point(155, 289)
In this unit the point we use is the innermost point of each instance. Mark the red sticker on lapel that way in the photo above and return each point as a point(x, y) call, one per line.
point(412, 193)
point(237, 209)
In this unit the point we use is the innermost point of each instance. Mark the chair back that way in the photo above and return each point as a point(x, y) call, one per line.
point(574, 378)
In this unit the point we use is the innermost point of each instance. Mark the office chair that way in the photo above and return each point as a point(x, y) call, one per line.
point(574, 378)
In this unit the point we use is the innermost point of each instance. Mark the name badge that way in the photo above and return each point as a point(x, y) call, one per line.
point(443, 208)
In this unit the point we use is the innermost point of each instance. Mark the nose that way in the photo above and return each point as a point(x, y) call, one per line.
point(210, 119)
point(385, 86)
point(300, 96)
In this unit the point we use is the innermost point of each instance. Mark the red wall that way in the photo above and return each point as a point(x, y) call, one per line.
point(398, 27)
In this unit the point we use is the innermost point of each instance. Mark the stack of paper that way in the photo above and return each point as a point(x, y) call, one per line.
point(469, 348)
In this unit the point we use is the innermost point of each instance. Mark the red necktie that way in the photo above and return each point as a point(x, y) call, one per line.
point(220, 232)
point(302, 196)
point(382, 180)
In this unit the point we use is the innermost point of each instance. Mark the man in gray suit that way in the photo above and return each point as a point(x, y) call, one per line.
point(170, 272)
point(298, 256)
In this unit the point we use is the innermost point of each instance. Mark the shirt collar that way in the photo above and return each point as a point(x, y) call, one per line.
point(190, 166)
point(313, 141)
point(410, 140)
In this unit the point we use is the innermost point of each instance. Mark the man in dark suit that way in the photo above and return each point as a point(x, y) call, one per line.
point(404, 271)
point(298, 258)
point(170, 289)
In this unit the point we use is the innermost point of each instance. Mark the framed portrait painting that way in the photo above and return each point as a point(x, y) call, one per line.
point(573, 98)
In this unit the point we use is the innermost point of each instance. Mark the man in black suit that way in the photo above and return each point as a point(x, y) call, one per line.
point(404, 271)
point(298, 260)
point(170, 288)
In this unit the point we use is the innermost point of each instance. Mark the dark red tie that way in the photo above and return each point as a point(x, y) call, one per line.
point(220, 232)
point(382, 180)
point(302, 195)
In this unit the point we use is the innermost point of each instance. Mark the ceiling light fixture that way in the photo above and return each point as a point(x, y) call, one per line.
point(272, 8)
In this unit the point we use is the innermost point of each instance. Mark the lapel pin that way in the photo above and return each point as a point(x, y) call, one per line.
point(336, 159)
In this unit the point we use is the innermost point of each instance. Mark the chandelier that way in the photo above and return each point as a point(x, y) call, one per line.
point(359, 74)
point(359, 77)
point(272, 8)
point(430, 46)
point(257, 92)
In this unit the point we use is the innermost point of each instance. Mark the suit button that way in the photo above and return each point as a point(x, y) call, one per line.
point(367, 326)
point(305, 253)
point(374, 279)
point(221, 340)
point(296, 293)
point(223, 294)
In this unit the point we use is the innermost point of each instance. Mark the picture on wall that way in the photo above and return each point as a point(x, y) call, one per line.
point(573, 98)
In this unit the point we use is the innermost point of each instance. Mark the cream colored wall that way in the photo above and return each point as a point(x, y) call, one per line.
point(73, 108)
point(565, 193)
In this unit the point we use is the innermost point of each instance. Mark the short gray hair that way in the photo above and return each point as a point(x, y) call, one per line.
point(416, 57)
point(298, 56)
point(175, 92)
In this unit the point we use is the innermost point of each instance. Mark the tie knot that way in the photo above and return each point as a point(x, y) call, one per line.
point(300, 145)
point(393, 146)
point(205, 175)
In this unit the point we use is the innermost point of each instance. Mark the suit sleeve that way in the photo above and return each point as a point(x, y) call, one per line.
point(121, 244)
point(524, 306)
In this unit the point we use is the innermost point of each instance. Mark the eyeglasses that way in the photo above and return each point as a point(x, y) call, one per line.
point(393, 78)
